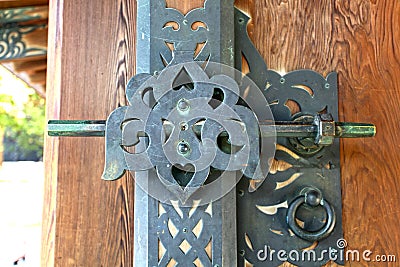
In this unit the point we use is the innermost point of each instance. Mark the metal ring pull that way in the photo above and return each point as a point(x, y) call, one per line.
point(312, 198)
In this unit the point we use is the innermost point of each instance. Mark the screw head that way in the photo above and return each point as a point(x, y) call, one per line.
point(183, 148)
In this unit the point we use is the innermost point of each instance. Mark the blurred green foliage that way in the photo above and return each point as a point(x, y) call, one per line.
point(23, 128)
point(6, 106)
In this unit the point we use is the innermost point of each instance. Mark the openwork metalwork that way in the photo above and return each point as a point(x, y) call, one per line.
point(15, 15)
point(188, 116)
point(12, 44)
point(192, 124)
point(12, 34)
point(161, 32)
point(204, 30)
point(265, 216)
point(187, 235)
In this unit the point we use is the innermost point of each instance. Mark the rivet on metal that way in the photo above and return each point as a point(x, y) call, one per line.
point(184, 126)
point(313, 198)
point(183, 148)
point(183, 105)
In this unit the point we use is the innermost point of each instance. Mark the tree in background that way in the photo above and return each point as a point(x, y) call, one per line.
point(22, 120)
point(7, 113)
point(25, 134)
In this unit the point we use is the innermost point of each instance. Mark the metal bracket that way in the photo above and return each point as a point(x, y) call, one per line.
point(193, 124)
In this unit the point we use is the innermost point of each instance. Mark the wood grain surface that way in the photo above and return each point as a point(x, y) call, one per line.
point(22, 3)
point(88, 222)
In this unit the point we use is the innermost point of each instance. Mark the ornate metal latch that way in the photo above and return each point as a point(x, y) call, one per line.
point(229, 166)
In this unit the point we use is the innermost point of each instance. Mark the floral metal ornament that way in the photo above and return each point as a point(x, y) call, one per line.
point(184, 113)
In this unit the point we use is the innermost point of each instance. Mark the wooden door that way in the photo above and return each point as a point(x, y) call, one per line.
point(91, 55)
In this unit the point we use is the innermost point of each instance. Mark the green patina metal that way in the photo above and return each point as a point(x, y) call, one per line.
point(83, 128)
point(355, 130)
point(282, 129)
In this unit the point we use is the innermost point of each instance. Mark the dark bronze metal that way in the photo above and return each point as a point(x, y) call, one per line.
point(262, 207)
point(312, 199)
point(155, 37)
point(268, 210)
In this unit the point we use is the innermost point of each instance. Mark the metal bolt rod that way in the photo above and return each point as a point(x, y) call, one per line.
point(76, 128)
point(280, 128)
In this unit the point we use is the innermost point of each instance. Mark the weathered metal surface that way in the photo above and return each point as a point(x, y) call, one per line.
point(169, 126)
point(179, 242)
point(312, 199)
point(76, 128)
point(299, 164)
point(350, 130)
point(173, 121)
point(282, 129)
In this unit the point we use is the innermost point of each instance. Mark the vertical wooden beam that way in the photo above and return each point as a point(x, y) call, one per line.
point(87, 221)
point(51, 146)
point(184, 6)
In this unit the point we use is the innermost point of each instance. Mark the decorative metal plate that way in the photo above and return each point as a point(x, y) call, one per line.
point(264, 237)
point(170, 234)
point(199, 129)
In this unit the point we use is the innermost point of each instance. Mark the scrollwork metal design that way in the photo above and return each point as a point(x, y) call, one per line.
point(262, 212)
point(15, 15)
point(12, 44)
point(182, 125)
point(12, 34)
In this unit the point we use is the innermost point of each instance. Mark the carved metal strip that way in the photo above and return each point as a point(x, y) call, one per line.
point(13, 43)
point(17, 15)
point(166, 234)
point(15, 26)
point(162, 29)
